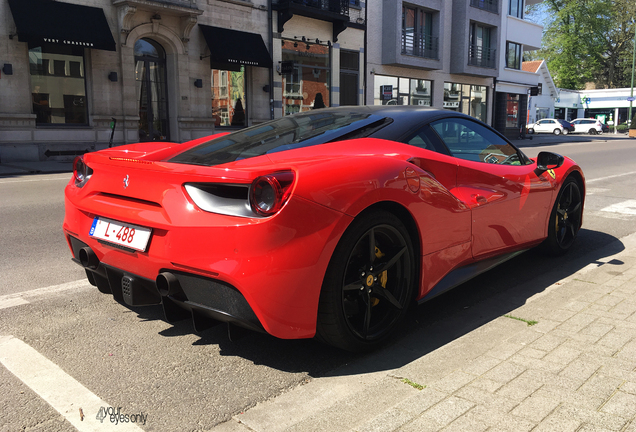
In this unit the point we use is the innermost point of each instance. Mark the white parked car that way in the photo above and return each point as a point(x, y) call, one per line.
point(587, 125)
point(548, 125)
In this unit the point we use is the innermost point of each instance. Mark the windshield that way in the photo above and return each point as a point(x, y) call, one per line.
point(287, 133)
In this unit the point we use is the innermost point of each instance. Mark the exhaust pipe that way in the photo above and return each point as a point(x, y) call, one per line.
point(88, 258)
point(167, 284)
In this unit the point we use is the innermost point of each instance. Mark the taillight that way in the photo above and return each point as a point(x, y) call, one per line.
point(269, 193)
point(81, 171)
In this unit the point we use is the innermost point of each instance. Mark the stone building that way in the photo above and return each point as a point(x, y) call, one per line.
point(78, 75)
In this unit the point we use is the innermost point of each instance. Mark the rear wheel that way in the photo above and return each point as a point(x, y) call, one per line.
point(565, 131)
point(592, 131)
point(557, 132)
point(368, 285)
point(565, 218)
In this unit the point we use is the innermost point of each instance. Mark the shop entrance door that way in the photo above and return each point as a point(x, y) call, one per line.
point(150, 82)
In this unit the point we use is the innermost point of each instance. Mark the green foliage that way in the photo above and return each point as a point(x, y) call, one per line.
point(587, 41)
point(633, 125)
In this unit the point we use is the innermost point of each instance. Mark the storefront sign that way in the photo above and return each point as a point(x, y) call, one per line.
point(386, 91)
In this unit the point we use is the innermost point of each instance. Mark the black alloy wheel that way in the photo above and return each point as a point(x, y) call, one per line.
point(369, 283)
point(565, 219)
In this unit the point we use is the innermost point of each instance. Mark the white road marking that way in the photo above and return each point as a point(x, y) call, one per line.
point(626, 207)
point(56, 387)
point(610, 177)
point(16, 299)
point(593, 191)
point(40, 178)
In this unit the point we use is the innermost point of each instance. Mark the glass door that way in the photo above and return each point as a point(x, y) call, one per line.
point(150, 77)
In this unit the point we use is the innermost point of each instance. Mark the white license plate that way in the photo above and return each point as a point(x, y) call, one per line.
point(120, 233)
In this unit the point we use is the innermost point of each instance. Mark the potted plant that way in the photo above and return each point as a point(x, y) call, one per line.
point(632, 128)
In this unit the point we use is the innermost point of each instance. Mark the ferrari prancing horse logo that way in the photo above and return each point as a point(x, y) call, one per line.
point(552, 174)
point(126, 181)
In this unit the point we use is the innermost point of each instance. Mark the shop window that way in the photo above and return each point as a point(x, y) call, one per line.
point(513, 55)
point(228, 97)
point(512, 111)
point(421, 93)
point(58, 87)
point(306, 85)
point(468, 99)
point(402, 91)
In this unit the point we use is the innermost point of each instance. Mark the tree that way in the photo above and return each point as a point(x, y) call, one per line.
point(587, 41)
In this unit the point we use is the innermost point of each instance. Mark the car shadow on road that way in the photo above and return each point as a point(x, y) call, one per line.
point(429, 326)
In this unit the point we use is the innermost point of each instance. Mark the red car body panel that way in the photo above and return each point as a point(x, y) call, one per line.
point(462, 210)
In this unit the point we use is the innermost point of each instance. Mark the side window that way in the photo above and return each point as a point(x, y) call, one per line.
point(427, 139)
point(471, 141)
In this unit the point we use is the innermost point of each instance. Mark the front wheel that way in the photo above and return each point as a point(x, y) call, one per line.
point(565, 218)
point(530, 131)
point(557, 132)
point(368, 285)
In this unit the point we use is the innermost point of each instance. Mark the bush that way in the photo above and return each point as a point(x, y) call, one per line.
point(622, 128)
point(633, 125)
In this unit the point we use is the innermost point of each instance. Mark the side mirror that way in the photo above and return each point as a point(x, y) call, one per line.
point(548, 160)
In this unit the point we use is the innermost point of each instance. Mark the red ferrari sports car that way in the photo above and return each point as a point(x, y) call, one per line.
point(324, 224)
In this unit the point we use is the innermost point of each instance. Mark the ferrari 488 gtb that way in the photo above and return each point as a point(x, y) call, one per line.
point(327, 223)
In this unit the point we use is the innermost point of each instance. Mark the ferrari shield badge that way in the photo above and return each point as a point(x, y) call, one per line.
point(552, 174)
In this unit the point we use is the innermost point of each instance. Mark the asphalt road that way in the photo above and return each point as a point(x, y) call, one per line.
point(132, 359)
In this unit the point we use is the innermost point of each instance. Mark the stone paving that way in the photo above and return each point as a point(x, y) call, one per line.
point(574, 370)
point(563, 361)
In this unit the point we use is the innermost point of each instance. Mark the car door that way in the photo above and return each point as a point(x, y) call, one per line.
point(509, 199)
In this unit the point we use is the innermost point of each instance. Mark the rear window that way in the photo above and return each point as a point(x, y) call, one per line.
point(287, 133)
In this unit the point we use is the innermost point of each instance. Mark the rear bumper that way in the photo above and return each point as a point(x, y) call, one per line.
point(205, 300)
point(263, 276)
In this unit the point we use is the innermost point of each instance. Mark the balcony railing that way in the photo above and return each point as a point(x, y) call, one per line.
point(420, 45)
point(338, 7)
point(489, 5)
point(482, 57)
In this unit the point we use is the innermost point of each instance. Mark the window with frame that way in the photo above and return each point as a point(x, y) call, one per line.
point(229, 102)
point(515, 8)
point(472, 141)
point(513, 55)
point(480, 53)
point(417, 32)
point(391, 90)
point(58, 85)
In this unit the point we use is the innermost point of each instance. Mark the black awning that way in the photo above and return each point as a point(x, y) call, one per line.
point(233, 48)
point(61, 23)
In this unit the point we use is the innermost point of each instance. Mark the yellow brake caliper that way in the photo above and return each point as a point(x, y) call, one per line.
point(383, 277)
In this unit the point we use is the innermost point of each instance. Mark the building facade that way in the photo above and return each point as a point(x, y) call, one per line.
point(78, 76)
point(513, 84)
point(433, 53)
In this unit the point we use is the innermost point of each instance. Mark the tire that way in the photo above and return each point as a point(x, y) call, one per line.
point(530, 131)
point(369, 284)
point(592, 131)
point(565, 219)
point(565, 131)
point(557, 131)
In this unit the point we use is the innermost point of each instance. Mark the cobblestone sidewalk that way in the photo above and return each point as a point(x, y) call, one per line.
point(574, 370)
